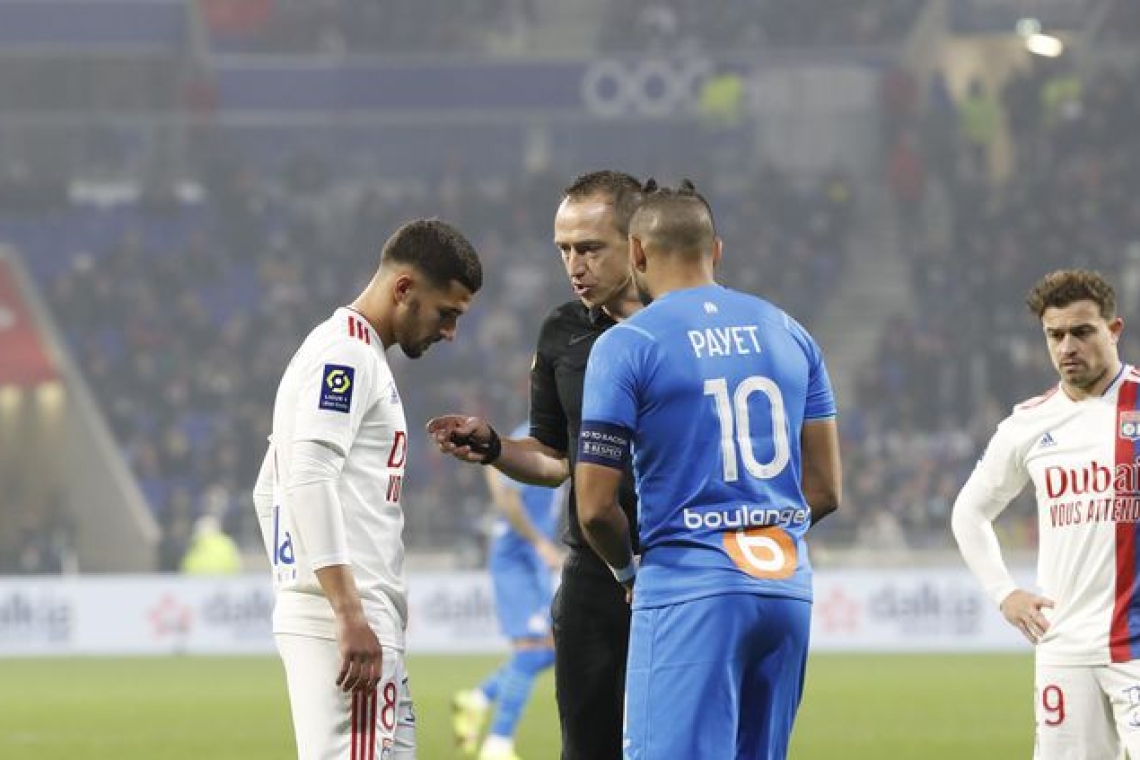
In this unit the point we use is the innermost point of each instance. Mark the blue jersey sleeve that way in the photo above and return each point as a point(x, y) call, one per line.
point(820, 400)
point(610, 397)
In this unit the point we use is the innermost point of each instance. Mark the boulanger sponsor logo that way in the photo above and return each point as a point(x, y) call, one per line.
point(27, 618)
point(927, 608)
point(744, 516)
point(644, 87)
point(247, 614)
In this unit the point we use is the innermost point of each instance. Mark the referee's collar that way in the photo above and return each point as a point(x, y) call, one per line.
point(599, 317)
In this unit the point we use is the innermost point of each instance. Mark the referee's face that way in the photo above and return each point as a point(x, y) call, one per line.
point(594, 252)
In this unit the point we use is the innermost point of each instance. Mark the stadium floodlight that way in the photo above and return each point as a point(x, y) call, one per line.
point(1045, 45)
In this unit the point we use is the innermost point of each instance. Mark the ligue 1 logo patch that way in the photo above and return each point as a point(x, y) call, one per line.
point(1130, 425)
point(336, 387)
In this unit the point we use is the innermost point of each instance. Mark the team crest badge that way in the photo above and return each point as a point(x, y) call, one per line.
point(1130, 425)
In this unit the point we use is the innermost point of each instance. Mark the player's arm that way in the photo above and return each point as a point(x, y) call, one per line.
point(323, 436)
point(822, 472)
point(508, 503)
point(605, 442)
point(988, 491)
point(603, 522)
point(263, 501)
point(319, 522)
point(472, 439)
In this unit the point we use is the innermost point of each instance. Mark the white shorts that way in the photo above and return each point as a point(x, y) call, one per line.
point(1087, 712)
point(331, 724)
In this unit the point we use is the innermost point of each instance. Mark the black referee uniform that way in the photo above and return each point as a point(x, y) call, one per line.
point(591, 616)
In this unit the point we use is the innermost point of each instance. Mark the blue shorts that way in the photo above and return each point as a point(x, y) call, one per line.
point(718, 678)
point(523, 591)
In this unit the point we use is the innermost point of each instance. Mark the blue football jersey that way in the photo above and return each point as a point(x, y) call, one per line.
point(542, 505)
point(710, 388)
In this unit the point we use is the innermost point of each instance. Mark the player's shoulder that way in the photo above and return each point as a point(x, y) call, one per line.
point(563, 313)
point(345, 336)
point(564, 319)
point(1036, 405)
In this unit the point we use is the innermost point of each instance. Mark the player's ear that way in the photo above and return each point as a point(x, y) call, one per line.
point(1116, 327)
point(636, 254)
point(402, 287)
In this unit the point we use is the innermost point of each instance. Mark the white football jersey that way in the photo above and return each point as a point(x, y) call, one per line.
point(1082, 458)
point(338, 390)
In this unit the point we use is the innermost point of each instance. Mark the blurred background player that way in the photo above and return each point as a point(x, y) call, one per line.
point(591, 617)
point(722, 527)
point(521, 559)
point(328, 498)
point(1077, 443)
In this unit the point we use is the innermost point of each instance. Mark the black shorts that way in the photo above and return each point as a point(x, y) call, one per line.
point(591, 639)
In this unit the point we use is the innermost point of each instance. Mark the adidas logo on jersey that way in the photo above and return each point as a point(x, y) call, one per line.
point(1046, 441)
point(710, 308)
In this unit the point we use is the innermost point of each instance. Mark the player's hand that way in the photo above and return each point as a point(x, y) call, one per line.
point(361, 656)
point(1024, 612)
point(454, 434)
point(551, 555)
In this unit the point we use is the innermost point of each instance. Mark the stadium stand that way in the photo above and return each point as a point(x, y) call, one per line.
point(944, 375)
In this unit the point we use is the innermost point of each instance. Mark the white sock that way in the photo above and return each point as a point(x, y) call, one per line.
point(498, 743)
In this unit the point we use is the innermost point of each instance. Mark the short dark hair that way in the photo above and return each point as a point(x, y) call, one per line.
point(436, 249)
point(682, 217)
point(621, 190)
point(1065, 286)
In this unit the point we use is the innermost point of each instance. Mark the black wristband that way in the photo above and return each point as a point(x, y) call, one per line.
point(491, 450)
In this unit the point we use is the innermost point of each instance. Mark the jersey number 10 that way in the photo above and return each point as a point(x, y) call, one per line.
point(736, 427)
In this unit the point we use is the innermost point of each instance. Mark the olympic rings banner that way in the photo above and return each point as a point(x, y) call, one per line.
point(453, 612)
point(615, 86)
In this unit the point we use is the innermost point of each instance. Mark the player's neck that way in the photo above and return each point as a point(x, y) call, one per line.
point(1097, 389)
point(668, 282)
point(624, 305)
point(365, 306)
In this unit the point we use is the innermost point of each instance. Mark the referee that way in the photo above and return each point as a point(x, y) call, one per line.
point(591, 616)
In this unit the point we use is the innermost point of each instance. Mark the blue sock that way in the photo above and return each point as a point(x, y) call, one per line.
point(515, 684)
point(492, 683)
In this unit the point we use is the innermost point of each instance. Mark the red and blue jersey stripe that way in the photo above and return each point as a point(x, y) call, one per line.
point(1124, 633)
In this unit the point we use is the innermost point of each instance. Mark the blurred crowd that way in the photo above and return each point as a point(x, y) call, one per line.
point(693, 25)
point(182, 311)
point(994, 189)
point(183, 316)
point(337, 27)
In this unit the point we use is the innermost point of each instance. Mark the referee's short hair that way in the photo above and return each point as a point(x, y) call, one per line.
point(621, 190)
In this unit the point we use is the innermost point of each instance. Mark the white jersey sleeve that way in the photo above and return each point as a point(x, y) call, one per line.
point(996, 481)
point(332, 400)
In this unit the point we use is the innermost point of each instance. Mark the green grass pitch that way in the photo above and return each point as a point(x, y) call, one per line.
point(214, 708)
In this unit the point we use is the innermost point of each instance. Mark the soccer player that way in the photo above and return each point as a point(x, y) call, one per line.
point(723, 404)
point(1077, 443)
point(591, 618)
point(521, 559)
point(328, 498)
